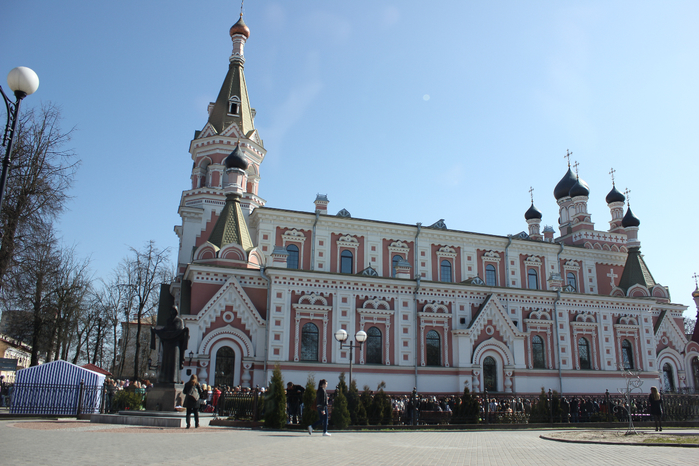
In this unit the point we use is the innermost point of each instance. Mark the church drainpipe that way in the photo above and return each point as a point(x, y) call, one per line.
point(313, 242)
point(507, 271)
point(269, 299)
point(418, 343)
point(555, 317)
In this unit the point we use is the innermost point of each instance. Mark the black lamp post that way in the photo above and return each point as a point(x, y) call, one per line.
point(360, 337)
point(22, 81)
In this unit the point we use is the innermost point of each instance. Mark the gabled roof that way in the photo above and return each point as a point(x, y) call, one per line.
point(635, 271)
point(231, 226)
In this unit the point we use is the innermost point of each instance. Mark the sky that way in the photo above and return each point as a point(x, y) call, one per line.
point(400, 111)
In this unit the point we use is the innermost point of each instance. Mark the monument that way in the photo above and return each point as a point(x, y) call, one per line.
point(167, 391)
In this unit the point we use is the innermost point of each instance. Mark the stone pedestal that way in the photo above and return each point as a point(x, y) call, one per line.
point(164, 397)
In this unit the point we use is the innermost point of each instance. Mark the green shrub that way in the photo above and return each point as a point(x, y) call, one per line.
point(310, 415)
point(275, 401)
point(125, 399)
point(340, 416)
point(355, 407)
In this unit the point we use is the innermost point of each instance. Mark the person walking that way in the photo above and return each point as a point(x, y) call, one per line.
point(322, 405)
point(193, 392)
point(656, 408)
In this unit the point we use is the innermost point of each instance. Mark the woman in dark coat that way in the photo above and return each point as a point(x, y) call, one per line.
point(192, 391)
point(656, 408)
point(322, 405)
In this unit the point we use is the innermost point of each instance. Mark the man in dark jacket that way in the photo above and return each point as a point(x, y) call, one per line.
point(192, 392)
point(294, 396)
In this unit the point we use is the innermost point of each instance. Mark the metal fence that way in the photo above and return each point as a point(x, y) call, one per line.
point(56, 399)
point(239, 405)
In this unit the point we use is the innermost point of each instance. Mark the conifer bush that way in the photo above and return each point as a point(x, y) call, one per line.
point(310, 414)
point(358, 416)
point(340, 416)
point(275, 401)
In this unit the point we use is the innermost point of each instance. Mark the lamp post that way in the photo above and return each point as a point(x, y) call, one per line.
point(22, 81)
point(360, 337)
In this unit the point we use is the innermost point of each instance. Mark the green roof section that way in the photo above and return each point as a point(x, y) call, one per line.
point(231, 226)
point(233, 85)
point(636, 271)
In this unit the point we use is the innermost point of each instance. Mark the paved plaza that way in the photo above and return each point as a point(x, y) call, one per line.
point(76, 443)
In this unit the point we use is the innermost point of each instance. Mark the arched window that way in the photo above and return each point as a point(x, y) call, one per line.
point(346, 262)
point(373, 346)
point(532, 280)
point(627, 354)
point(309, 342)
point(695, 373)
point(584, 353)
point(490, 275)
point(225, 367)
point(538, 352)
point(445, 275)
point(490, 374)
point(668, 379)
point(432, 348)
point(292, 260)
point(571, 281)
point(394, 263)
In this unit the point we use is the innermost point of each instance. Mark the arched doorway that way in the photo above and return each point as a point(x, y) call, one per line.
point(490, 374)
point(225, 367)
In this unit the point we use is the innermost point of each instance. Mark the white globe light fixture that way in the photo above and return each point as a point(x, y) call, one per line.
point(359, 337)
point(22, 81)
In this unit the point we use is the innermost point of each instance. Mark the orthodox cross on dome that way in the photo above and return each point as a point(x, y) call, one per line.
point(567, 156)
point(611, 172)
point(612, 276)
point(575, 166)
point(695, 276)
point(241, 7)
point(531, 193)
point(627, 191)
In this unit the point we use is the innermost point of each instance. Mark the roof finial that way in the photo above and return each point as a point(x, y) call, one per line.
point(575, 166)
point(241, 7)
point(567, 156)
point(611, 172)
point(695, 277)
point(628, 199)
point(531, 193)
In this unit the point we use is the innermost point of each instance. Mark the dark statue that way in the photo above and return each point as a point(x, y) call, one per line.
point(174, 337)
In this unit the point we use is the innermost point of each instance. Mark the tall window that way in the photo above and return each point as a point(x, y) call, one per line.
point(309, 342)
point(668, 379)
point(445, 275)
point(292, 260)
point(490, 275)
point(225, 367)
point(432, 346)
point(570, 278)
point(532, 279)
point(346, 262)
point(394, 263)
point(538, 352)
point(627, 354)
point(490, 374)
point(584, 353)
point(695, 373)
point(373, 346)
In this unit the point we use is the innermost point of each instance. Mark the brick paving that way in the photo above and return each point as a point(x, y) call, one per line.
point(75, 443)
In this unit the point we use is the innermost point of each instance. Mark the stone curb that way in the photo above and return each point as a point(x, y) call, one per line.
point(596, 442)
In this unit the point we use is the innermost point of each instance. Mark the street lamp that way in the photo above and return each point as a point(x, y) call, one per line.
point(360, 337)
point(22, 81)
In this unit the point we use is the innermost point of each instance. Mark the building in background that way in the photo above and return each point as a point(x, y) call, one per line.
point(14, 349)
point(442, 309)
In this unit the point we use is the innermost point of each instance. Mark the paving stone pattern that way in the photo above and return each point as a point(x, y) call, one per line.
point(74, 443)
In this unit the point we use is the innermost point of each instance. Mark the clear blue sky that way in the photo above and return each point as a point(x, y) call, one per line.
point(403, 111)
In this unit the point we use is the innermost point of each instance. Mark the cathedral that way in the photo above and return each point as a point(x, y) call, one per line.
point(422, 305)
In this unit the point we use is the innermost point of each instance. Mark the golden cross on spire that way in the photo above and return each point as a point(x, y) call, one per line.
point(612, 172)
point(575, 166)
point(567, 156)
point(241, 7)
point(628, 199)
point(531, 193)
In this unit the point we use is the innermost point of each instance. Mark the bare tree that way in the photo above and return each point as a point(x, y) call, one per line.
point(113, 301)
point(41, 172)
point(143, 271)
point(689, 323)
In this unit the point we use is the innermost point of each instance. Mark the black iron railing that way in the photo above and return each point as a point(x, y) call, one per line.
point(239, 405)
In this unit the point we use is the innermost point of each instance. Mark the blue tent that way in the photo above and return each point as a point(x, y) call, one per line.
point(57, 388)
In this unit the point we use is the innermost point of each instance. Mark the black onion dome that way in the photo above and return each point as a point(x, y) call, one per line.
point(695, 293)
point(580, 188)
point(532, 213)
point(615, 196)
point(563, 187)
point(236, 160)
point(630, 220)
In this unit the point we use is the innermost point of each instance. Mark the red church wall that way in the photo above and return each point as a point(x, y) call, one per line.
point(201, 294)
point(437, 263)
point(304, 246)
point(258, 296)
point(500, 266)
point(221, 322)
point(540, 272)
point(358, 254)
point(204, 235)
point(604, 284)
